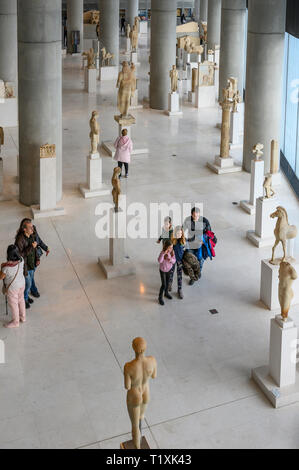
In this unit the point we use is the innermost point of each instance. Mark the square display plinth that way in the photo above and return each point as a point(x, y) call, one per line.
point(277, 396)
point(130, 446)
point(109, 72)
point(124, 269)
point(224, 165)
point(38, 214)
point(269, 285)
point(247, 207)
point(87, 193)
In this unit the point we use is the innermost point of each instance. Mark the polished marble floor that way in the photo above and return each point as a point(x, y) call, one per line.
point(62, 384)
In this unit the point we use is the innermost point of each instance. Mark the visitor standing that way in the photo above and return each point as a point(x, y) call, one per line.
point(124, 147)
point(12, 274)
point(166, 261)
point(179, 244)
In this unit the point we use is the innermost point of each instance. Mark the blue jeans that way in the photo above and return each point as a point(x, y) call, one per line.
point(30, 284)
point(195, 253)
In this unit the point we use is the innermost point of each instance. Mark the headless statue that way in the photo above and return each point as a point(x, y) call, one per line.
point(116, 189)
point(125, 85)
point(91, 58)
point(174, 76)
point(94, 132)
point(268, 187)
point(137, 374)
point(287, 275)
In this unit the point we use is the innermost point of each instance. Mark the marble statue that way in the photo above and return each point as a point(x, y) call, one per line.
point(226, 105)
point(126, 84)
point(47, 151)
point(287, 275)
point(91, 58)
point(283, 231)
point(274, 166)
point(236, 101)
point(116, 188)
point(134, 38)
point(128, 31)
point(204, 26)
point(136, 22)
point(194, 79)
point(91, 17)
point(94, 134)
point(174, 76)
point(196, 49)
point(268, 187)
point(187, 47)
point(137, 374)
point(258, 151)
point(106, 57)
point(2, 89)
point(208, 79)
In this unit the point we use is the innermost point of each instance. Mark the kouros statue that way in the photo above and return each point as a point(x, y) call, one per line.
point(91, 58)
point(116, 189)
point(126, 87)
point(134, 38)
point(283, 231)
point(94, 132)
point(258, 151)
point(268, 187)
point(137, 374)
point(287, 275)
point(174, 76)
point(128, 31)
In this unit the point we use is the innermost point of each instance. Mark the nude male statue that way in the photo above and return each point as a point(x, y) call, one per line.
point(137, 374)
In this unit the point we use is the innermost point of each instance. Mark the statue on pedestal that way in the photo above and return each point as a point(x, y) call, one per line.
point(287, 275)
point(134, 38)
point(106, 57)
point(258, 152)
point(174, 76)
point(196, 49)
point(94, 132)
point(268, 187)
point(91, 58)
point(137, 374)
point(204, 26)
point(126, 84)
point(283, 231)
point(187, 47)
point(116, 188)
point(236, 101)
point(226, 105)
point(128, 31)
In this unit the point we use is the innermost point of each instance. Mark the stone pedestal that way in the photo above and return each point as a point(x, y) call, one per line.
point(134, 101)
point(186, 59)
point(256, 186)
point(134, 57)
point(109, 72)
point(117, 265)
point(205, 97)
point(143, 27)
point(191, 97)
point(269, 285)
point(235, 124)
point(123, 123)
point(263, 235)
point(9, 112)
point(48, 197)
point(95, 186)
point(224, 165)
point(278, 380)
point(90, 80)
point(180, 57)
point(174, 104)
point(128, 45)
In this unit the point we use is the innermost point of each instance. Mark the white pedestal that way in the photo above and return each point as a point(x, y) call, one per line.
point(263, 235)
point(128, 45)
point(173, 104)
point(108, 73)
point(134, 58)
point(211, 58)
point(270, 282)
point(143, 27)
point(134, 101)
point(9, 112)
point(90, 80)
point(191, 97)
point(186, 59)
point(205, 97)
point(256, 186)
point(95, 186)
point(278, 380)
point(224, 165)
point(235, 141)
point(47, 206)
point(117, 265)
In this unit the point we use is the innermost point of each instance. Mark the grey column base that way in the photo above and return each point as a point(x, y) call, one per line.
point(38, 214)
point(120, 270)
point(87, 193)
point(278, 396)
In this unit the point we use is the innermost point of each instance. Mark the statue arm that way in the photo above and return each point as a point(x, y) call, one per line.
point(154, 374)
point(127, 377)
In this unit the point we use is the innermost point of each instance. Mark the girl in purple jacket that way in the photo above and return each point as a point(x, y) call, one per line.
point(124, 147)
point(166, 261)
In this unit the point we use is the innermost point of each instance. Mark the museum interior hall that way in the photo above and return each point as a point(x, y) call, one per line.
point(149, 215)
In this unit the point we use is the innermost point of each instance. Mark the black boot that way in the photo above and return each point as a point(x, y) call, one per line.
point(161, 301)
point(168, 296)
point(27, 304)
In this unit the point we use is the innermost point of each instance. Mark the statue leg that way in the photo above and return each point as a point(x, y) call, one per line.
point(273, 249)
point(284, 250)
point(134, 413)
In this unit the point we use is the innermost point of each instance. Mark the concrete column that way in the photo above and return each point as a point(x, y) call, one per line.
point(214, 23)
point(109, 27)
point(8, 41)
point(197, 10)
point(265, 53)
point(132, 11)
point(163, 51)
point(203, 10)
point(233, 19)
point(75, 22)
point(39, 61)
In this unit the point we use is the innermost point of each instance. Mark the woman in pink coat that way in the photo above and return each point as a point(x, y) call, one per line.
point(124, 147)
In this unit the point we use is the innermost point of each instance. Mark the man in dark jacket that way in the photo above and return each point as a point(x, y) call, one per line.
point(195, 227)
point(30, 247)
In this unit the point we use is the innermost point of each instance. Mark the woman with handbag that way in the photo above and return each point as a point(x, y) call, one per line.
point(12, 273)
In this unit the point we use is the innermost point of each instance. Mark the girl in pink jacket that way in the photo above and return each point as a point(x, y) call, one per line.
point(124, 147)
point(166, 261)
